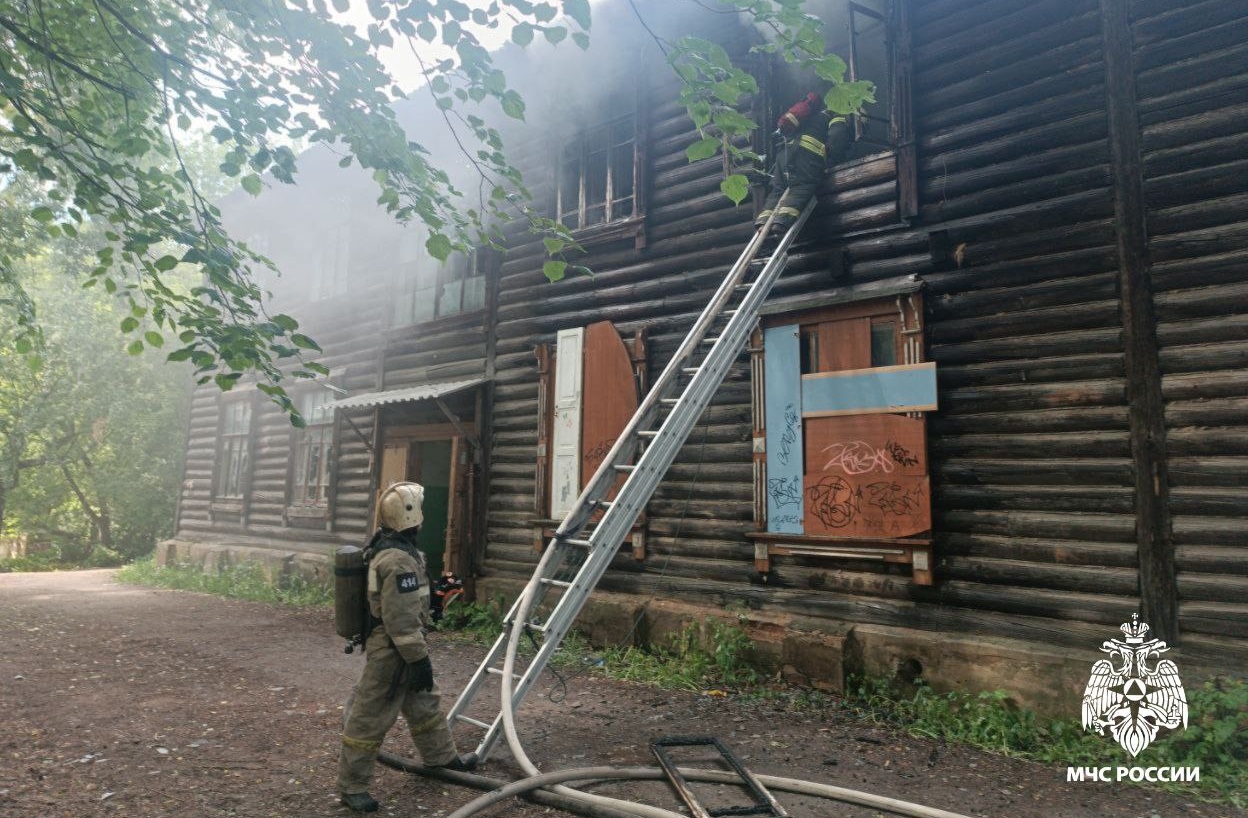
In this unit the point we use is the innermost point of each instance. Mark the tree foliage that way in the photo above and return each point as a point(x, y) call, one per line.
point(91, 438)
point(98, 101)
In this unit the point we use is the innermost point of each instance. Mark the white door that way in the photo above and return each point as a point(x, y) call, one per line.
point(565, 470)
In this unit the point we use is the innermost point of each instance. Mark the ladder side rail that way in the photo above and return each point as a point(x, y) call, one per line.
point(658, 457)
point(466, 696)
point(626, 442)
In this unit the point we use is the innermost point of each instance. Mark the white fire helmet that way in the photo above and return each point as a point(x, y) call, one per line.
point(400, 506)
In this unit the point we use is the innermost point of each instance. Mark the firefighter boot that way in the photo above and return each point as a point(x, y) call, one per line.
point(462, 763)
point(359, 802)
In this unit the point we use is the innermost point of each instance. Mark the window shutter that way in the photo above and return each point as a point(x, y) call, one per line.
point(566, 432)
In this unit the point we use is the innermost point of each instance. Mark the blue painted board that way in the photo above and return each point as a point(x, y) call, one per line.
point(908, 388)
point(783, 403)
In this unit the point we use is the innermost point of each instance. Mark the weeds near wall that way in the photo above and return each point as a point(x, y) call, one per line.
point(1216, 739)
point(247, 580)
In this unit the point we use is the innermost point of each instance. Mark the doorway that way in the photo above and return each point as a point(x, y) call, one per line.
point(429, 463)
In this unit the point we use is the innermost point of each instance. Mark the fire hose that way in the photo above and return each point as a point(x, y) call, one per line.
point(580, 802)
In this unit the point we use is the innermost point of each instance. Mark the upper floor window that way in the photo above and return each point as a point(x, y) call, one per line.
point(432, 289)
point(329, 263)
point(598, 175)
point(314, 450)
point(233, 456)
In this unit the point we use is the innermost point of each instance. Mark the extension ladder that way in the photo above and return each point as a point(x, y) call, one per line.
point(574, 562)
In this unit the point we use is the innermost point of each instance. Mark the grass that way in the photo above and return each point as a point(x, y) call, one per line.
point(62, 558)
point(247, 580)
point(713, 657)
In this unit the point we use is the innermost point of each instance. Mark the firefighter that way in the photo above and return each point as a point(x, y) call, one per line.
point(812, 136)
point(398, 676)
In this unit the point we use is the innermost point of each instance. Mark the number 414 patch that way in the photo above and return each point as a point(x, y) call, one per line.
point(408, 583)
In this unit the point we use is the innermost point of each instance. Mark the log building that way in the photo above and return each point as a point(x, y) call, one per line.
point(1040, 238)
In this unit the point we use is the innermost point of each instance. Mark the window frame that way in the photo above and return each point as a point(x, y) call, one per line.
point(233, 445)
point(622, 227)
point(324, 430)
point(900, 307)
point(411, 271)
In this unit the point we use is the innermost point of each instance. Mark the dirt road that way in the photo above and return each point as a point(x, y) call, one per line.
point(124, 701)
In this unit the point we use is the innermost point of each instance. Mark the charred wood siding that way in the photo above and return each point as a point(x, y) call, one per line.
point(1034, 501)
point(1191, 64)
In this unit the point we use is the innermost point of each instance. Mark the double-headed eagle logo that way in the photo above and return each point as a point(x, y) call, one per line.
point(1127, 698)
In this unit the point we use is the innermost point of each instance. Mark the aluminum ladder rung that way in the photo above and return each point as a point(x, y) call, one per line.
point(484, 725)
point(587, 559)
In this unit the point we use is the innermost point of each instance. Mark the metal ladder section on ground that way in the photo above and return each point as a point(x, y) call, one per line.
point(582, 549)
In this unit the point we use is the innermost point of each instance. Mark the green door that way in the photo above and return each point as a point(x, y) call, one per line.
point(432, 469)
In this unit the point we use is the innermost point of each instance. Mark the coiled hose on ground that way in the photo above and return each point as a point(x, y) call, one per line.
point(547, 788)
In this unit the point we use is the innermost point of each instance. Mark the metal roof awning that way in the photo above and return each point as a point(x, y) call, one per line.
point(426, 391)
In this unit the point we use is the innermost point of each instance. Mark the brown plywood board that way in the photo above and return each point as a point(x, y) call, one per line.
point(610, 396)
point(866, 476)
point(850, 445)
point(867, 505)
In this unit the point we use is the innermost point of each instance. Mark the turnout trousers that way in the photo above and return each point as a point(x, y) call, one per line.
point(374, 710)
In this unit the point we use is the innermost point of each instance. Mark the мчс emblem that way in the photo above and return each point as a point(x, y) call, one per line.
point(1129, 700)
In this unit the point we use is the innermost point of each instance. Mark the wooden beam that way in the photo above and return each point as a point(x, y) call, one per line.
point(1158, 585)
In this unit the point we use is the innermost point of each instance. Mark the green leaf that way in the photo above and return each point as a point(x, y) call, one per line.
point(285, 322)
point(439, 246)
point(513, 105)
point(554, 270)
point(135, 348)
point(42, 214)
point(703, 149)
point(226, 382)
point(165, 263)
point(522, 34)
point(252, 184)
point(154, 338)
point(555, 34)
point(553, 245)
point(427, 31)
point(304, 342)
point(129, 324)
point(341, 6)
point(736, 187)
point(23, 345)
point(581, 39)
point(578, 10)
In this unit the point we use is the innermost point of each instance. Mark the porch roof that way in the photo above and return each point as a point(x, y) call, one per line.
point(425, 391)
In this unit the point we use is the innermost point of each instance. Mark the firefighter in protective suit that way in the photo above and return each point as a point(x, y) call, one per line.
point(813, 136)
point(398, 676)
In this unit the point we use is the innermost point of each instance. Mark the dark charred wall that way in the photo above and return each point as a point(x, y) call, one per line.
point(1191, 63)
point(1017, 240)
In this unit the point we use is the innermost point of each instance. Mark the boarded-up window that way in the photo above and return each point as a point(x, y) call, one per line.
point(845, 437)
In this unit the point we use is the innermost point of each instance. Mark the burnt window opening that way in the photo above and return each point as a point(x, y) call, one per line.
point(598, 175)
point(873, 38)
point(431, 289)
point(234, 450)
point(314, 451)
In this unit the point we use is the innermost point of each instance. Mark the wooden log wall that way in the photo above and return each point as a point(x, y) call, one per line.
point(1191, 65)
point(1033, 472)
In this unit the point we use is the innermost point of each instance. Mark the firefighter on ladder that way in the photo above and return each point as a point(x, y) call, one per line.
point(813, 137)
point(398, 676)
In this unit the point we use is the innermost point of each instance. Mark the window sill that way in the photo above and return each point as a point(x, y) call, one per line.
point(307, 516)
point(462, 320)
point(227, 507)
point(633, 228)
point(913, 551)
